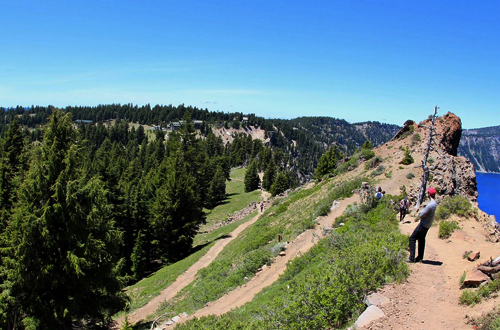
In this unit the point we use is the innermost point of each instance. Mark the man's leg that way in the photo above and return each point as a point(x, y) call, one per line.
point(421, 244)
point(413, 240)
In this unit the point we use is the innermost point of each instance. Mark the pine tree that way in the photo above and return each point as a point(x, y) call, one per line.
point(328, 162)
point(280, 185)
point(11, 150)
point(217, 189)
point(269, 175)
point(177, 211)
point(139, 257)
point(252, 179)
point(60, 258)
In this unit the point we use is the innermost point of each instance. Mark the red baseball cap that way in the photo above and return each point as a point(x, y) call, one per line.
point(432, 191)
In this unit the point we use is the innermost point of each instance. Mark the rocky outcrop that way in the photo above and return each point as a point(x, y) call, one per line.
point(408, 128)
point(449, 128)
point(452, 174)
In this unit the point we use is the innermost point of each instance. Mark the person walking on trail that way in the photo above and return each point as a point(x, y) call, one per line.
point(261, 207)
point(426, 219)
point(379, 194)
point(403, 208)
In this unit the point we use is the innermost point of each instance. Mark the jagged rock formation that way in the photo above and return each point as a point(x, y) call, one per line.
point(451, 174)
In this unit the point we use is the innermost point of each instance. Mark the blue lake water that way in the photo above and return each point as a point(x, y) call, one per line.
point(488, 187)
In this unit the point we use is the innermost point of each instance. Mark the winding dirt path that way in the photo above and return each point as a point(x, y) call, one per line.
point(269, 275)
point(187, 277)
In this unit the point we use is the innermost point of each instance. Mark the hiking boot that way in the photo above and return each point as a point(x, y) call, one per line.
point(417, 259)
point(409, 261)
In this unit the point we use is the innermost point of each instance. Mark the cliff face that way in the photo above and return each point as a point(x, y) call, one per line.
point(482, 147)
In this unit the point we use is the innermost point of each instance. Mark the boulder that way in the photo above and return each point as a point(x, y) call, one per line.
point(371, 314)
point(376, 299)
point(474, 256)
point(475, 277)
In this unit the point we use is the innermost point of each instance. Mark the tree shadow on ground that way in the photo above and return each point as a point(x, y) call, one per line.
point(141, 325)
point(201, 246)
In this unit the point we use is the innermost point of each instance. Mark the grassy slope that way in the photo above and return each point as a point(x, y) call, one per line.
point(144, 290)
point(255, 246)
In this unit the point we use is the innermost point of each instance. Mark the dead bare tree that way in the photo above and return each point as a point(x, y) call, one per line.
point(424, 166)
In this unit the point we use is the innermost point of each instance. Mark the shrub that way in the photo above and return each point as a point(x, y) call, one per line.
point(366, 154)
point(491, 287)
point(469, 297)
point(446, 228)
point(407, 159)
point(416, 137)
point(487, 321)
point(323, 209)
point(380, 169)
point(373, 163)
point(410, 176)
point(388, 174)
point(458, 205)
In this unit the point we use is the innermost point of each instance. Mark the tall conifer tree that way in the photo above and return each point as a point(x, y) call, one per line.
point(60, 260)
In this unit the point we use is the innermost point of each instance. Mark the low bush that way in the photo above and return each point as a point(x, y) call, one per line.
point(487, 321)
point(372, 163)
point(469, 298)
point(378, 171)
point(410, 176)
point(446, 228)
point(366, 154)
point(407, 159)
point(458, 205)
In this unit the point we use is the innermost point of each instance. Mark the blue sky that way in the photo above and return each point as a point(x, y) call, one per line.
point(387, 61)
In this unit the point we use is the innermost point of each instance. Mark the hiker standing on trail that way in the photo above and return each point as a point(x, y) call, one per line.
point(261, 207)
point(403, 208)
point(379, 194)
point(426, 218)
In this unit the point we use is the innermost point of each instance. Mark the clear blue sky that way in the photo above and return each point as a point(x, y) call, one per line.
point(358, 60)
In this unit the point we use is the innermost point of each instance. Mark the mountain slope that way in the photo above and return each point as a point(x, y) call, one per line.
point(410, 303)
point(482, 147)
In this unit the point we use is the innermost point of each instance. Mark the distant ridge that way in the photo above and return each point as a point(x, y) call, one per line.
point(482, 147)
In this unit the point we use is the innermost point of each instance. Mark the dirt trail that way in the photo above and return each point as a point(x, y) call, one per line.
point(269, 275)
point(187, 277)
point(429, 298)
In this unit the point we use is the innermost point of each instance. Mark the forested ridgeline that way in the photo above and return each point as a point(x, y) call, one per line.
point(86, 209)
point(302, 140)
